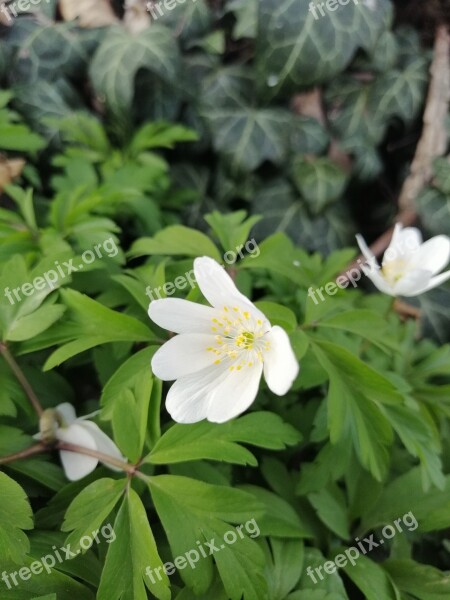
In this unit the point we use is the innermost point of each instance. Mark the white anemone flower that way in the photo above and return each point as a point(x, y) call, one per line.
point(221, 352)
point(410, 266)
point(66, 427)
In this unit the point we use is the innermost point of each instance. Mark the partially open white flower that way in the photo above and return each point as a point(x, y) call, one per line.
point(410, 266)
point(66, 427)
point(221, 352)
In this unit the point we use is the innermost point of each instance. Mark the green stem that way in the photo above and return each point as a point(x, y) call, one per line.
point(21, 378)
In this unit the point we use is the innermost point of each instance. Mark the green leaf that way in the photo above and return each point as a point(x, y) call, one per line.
point(124, 575)
point(246, 13)
point(130, 418)
point(372, 580)
point(206, 440)
point(128, 375)
point(233, 230)
point(97, 325)
point(90, 508)
point(418, 581)
point(329, 587)
point(284, 566)
point(433, 207)
point(368, 324)
point(294, 49)
point(405, 494)
point(400, 93)
point(354, 392)
point(319, 180)
point(189, 21)
point(193, 512)
point(32, 325)
point(278, 314)
point(15, 515)
point(153, 49)
point(280, 519)
point(332, 510)
point(160, 135)
point(174, 240)
point(246, 137)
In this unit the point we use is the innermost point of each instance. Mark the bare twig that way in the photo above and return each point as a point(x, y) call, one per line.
point(41, 447)
point(31, 451)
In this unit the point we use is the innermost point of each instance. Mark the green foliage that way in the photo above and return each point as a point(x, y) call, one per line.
point(149, 146)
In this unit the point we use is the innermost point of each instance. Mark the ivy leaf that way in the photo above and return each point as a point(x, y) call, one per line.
point(190, 20)
point(124, 575)
point(320, 181)
point(246, 137)
point(15, 516)
point(399, 93)
point(153, 49)
point(296, 49)
point(434, 209)
point(246, 13)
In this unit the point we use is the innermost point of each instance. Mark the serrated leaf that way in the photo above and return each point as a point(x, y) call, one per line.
point(174, 240)
point(90, 508)
point(205, 440)
point(15, 516)
point(124, 575)
point(192, 511)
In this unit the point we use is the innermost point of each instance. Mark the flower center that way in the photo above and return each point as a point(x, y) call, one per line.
point(240, 338)
point(394, 270)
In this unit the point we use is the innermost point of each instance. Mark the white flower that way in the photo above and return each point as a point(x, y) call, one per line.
point(221, 352)
point(66, 427)
point(410, 266)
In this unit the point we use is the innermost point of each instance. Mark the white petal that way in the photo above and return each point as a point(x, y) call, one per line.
point(365, 250)
point(404, 243)
point(77, 465)
point(103, 443)
point(188, 398)
point(234, 394)
point(413, 283)
point(182, 316)
point(434, 282)
point(280, 365)
point(219, 289)
point(182, 355)
point(67, 411)
point(376, 277)
point(434, 254)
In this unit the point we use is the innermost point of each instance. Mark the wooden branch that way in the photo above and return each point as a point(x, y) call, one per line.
point(432, 144)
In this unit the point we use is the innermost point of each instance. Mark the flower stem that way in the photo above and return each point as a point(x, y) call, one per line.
point(115, 462)
point(36, 449)
point(39, 448)
point(21, 378)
